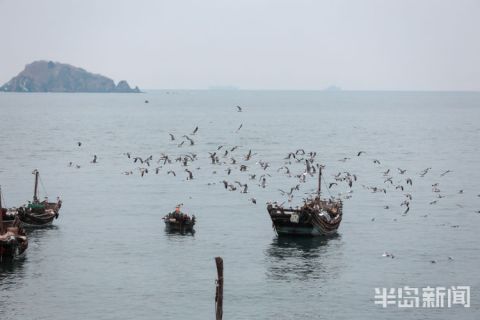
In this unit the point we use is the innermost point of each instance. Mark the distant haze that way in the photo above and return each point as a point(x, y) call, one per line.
point(261, 44)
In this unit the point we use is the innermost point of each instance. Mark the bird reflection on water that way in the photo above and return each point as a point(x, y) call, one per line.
point(302, 258)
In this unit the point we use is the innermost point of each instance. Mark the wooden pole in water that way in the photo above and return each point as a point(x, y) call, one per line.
point(35, 198)
point(219, 290)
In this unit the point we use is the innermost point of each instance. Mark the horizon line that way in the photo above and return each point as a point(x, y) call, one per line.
point(315, 90)
point(245, 89)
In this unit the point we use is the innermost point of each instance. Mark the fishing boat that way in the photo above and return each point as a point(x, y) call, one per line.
point(316, 217)
point(13, 240)
point(36, 213)
point(179, 221)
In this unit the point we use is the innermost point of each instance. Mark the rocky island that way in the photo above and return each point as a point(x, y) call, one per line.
point(49, 76)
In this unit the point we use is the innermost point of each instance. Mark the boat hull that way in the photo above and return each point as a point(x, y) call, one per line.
point(13, 240)
point(179, 222)
point(32, 219)
point(300, 223)
point(12, 249)
point(33, 225)
point(178, 226)
point(303, 231)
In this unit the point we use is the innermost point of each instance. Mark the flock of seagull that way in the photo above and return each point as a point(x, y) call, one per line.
point(241, 169)
point(297, 164)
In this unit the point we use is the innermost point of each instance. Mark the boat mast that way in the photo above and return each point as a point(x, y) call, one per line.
point(319, 182)
point(35, 191)
point(1, 212)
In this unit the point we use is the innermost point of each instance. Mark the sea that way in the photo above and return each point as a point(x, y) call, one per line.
point(109, 256)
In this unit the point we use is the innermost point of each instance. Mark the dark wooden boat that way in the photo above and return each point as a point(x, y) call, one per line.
point(316, 217)
point(36, 213)
point(179, 221)
point(13, 240)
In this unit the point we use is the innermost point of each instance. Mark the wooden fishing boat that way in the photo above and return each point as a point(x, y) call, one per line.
point(316, 217)
point(13, 239)
point(179, 221)
point(36, 213)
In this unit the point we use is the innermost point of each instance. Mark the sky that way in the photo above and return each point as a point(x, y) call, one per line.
point(251, 44)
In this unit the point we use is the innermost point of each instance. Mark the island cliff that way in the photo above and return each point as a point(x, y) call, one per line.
point(49, 76)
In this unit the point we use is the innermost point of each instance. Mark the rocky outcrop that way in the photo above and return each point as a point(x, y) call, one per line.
point(48, 76)
point(123, 86)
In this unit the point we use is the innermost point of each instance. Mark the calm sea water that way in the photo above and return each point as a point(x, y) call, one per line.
point(109, 257)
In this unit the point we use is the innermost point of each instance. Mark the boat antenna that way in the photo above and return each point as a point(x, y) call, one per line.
point(35, 191)
point(0, 200)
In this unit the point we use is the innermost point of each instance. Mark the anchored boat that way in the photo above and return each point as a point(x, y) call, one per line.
point(13, 240)
point(179, 221)
point(36, 213)
point(316, 217)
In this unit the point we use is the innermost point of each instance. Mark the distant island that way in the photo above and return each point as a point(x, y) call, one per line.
point(49, 76)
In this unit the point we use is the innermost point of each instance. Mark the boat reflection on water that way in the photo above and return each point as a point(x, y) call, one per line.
point(42, 229)
point(303, 258)
point(11, 266)
point(40, 235)
point(11, 270)
point(12, 278)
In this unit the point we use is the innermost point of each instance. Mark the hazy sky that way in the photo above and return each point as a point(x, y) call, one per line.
point(251, 44)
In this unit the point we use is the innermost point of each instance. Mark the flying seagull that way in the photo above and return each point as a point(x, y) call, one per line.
point(445, 173)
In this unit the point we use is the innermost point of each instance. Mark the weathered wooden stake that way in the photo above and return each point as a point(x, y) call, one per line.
point(219, 289)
